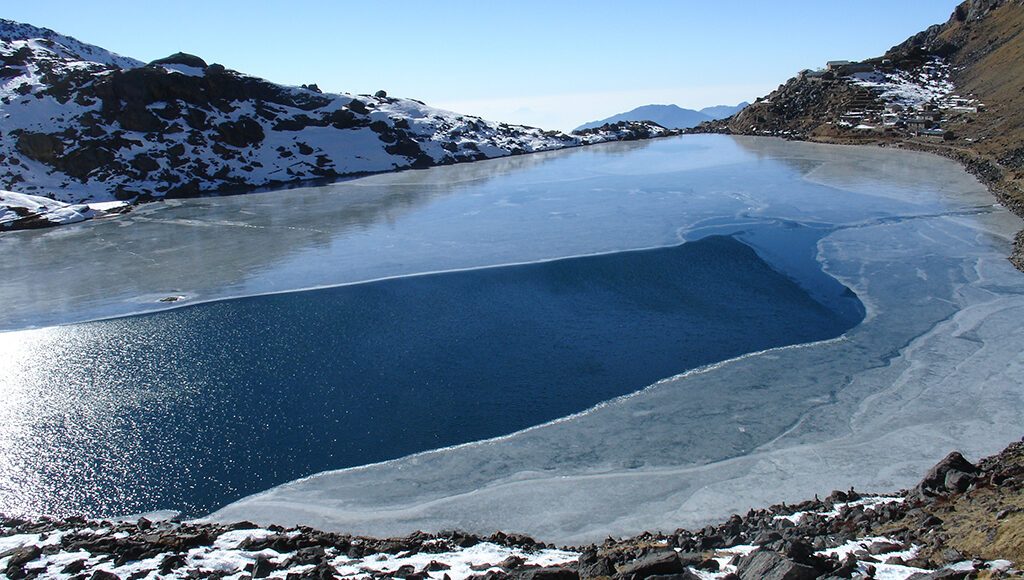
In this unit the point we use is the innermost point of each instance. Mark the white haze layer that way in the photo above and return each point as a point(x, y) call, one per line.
point(935, 366)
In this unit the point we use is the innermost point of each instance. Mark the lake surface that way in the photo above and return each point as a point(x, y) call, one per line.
point(196, 407)
point(469, 302)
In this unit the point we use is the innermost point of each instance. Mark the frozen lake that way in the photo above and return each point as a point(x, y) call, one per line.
point(934, 365)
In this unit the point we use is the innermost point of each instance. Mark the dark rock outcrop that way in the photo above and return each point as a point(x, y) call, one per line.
point(181, 58)
point(40, 146)
point(952, 474)
point(654, 564)
point(769, 565)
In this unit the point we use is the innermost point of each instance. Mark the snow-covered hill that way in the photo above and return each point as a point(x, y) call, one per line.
point(81, 124)
point(72, 48)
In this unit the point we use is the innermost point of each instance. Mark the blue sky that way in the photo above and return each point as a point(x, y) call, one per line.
point(554, 64)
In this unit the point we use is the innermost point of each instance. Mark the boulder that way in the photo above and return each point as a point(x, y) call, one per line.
point(957, 481)
point(769, 565)
point(181, 58)
point(405, 147)
point(263, 567)
point(22, 556)
point(658, 563)
point(144, 163)
point(343, 119)
point(590, 565)
point(552, 573)
point(690, 558)
point(511, 563)
point(934, 482)
point(878, 548)
point(171, 562)
point(358, 106)
point(74, 567)
point(404, 571)
point(80, 162)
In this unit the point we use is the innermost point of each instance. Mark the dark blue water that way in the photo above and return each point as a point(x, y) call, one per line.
point(195, 407)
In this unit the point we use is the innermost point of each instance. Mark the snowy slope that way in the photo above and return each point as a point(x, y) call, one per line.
point(914, 88)
point(82, 124)
point(74, 49)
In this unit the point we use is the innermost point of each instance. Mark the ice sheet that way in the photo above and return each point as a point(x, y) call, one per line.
point(934, 367)
point(605, 198)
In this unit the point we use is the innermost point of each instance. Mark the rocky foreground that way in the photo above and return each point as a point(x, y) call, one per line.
point(963, 520)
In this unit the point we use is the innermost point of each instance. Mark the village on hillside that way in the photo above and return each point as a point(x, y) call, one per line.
point(911, 103)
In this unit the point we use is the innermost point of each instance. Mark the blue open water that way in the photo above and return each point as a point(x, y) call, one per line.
point(195, 407)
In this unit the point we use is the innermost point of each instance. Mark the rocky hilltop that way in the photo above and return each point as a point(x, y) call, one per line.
point(963, 520)
point(956, 89)
point(81, 124)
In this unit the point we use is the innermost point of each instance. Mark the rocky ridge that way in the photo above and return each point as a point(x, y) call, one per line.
point(80, 124)
point(963, 520)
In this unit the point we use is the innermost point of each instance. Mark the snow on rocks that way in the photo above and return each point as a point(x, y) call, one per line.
point(23, 211)
point(85, 125)
point(913, 89)
point(867, 503)
point(166, 549)
point(10, 30)
point(845, 535)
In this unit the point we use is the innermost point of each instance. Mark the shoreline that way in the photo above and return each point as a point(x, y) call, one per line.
point(1007, 191)
point(926, 532)
point(40, 221)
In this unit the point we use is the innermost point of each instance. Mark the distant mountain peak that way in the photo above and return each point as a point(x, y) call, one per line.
point(723, 111)
point(668, 116)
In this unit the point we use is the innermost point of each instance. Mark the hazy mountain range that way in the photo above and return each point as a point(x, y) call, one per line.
point(669, 116)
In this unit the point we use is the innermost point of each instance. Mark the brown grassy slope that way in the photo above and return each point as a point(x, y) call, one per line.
point(990, 67)
point(986, 521)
